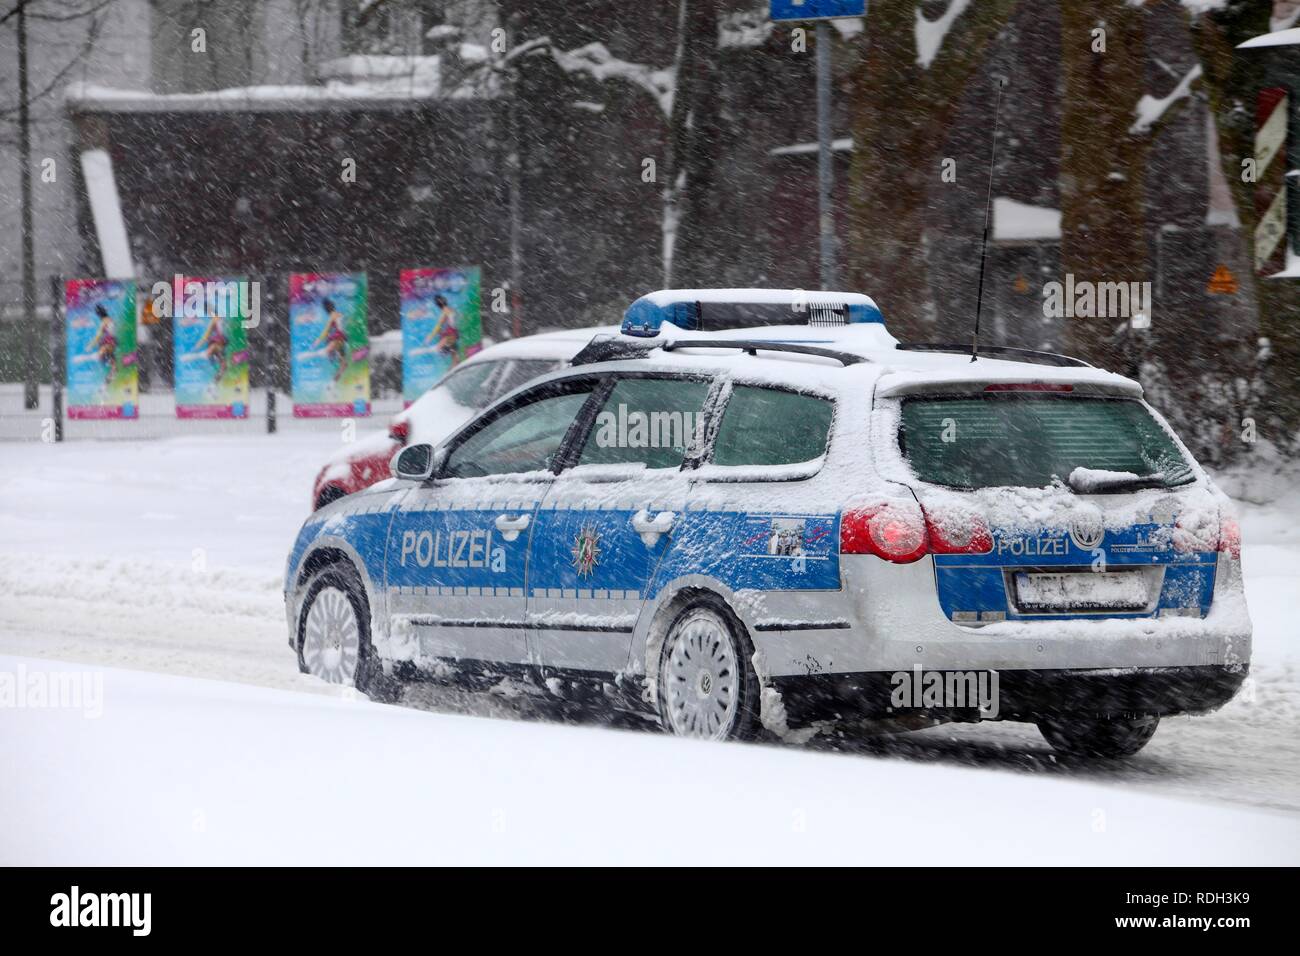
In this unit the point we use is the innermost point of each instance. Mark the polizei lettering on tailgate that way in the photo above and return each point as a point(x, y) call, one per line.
point(1028, 547)
point(455, 549)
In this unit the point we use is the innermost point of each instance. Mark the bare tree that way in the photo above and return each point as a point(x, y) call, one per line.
point(89, 16)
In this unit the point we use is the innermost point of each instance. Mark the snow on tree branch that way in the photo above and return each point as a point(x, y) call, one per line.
point(1150, 109)
point(930, 34)
point(596, 61)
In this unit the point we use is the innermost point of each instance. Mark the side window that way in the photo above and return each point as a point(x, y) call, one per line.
point(770, 426)
point(467, 385)
point(525, 438)
point(520, 371)
point(648, 421)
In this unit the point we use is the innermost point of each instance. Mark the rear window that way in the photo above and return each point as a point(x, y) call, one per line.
point(769, 426)
point(1031, 440)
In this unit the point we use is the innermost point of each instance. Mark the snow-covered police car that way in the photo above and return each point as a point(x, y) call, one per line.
point(755, 510)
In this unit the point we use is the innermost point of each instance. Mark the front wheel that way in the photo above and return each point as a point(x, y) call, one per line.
point(1098, 736)
point(334, 633)
point(707, 684)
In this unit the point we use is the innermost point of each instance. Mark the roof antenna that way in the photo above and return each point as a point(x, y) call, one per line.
point(988, 208)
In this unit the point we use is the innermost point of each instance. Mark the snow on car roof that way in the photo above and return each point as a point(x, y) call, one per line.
point(893, 371)
point(560, 344)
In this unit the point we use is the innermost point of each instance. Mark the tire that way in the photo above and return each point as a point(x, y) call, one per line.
point(707, 684)
point(334, 634)
point(1098, 736)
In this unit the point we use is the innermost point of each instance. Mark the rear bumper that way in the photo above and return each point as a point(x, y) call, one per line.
point(1024, 694)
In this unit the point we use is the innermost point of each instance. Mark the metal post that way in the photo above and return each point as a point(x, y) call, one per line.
point(57, 357)
point(30, 393)
point(270, 410)
point(825, 171)
point(514, 185)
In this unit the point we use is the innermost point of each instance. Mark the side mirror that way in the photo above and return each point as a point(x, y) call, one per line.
point(416, 462)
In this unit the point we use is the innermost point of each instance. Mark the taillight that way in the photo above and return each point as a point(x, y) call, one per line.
point(398, 430)
point(954, 531)
point(902, 532)
point(893, 530)
point(1230, 537)
point(1196, 532)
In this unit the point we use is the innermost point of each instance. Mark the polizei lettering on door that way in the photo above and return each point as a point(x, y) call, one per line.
point(453, 549)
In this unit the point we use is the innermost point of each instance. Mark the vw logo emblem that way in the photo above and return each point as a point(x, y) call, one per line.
point(1086, 533)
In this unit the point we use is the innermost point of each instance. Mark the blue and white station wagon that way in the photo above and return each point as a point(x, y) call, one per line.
point(752, 511)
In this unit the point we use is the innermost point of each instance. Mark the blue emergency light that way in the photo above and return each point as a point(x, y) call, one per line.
point(711, 310)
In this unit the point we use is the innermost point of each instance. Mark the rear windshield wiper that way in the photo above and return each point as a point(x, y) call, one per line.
point(1093, 481)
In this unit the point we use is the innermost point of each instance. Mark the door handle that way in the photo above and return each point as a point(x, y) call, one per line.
point(651, 528)
point(510, 527)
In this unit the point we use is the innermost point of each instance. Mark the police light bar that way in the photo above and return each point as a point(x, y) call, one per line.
point(709, 310)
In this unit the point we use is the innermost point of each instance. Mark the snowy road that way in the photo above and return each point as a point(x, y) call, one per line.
point(166, 556)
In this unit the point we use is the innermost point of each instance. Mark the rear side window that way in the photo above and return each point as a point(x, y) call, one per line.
point(770, 426)
point(520, 371)
point(1029, 441)
point(467, 384)
point(645, 420)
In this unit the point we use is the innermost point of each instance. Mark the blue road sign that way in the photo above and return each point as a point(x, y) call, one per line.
point(816, 9)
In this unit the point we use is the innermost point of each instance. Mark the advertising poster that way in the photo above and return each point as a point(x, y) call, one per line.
point(330, 344)
point(103, 372)
point(441, 324)
point(210, 351)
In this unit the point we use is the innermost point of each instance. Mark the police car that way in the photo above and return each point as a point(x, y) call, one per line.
point(751, 511)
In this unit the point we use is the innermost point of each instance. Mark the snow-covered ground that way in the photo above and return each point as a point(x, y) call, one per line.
point(178, 770)
point(165, 556)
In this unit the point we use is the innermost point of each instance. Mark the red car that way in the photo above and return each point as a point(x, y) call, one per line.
point(466, 389)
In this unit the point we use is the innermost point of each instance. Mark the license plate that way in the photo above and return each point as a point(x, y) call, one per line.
point(1082, 591)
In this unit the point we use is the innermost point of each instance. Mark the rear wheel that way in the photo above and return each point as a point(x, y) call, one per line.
point(334, 634)
point(1098, 736)
point(707, 684)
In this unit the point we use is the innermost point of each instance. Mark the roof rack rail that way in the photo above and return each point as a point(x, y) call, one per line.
point(1046, 358)
point(609, 348)
point(753, 346)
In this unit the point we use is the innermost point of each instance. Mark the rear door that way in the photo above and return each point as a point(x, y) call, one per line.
point(609, 519)
point(457, 550)
point(1092, 508)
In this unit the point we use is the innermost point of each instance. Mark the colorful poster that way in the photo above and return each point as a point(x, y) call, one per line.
point(330, 344)
point(103, 372)
point(210, 350)
point(441, 324)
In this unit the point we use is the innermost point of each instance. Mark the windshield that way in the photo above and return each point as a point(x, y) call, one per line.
point(1031, 440)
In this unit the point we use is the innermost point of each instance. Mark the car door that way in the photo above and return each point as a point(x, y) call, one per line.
point(606, 521)
point(456, 557)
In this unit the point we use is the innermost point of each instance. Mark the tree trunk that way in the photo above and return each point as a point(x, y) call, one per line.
point(1232, 80)
point(1102, 164)
point(900, 115)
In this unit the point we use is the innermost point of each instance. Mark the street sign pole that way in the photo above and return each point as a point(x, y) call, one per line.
point(825, 171)
point(822, 12)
